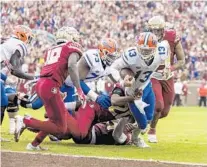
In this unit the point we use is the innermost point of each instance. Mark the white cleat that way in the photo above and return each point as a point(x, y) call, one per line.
point(139, 142)
point(152, 138)
point(20, 127)
point(30, 147)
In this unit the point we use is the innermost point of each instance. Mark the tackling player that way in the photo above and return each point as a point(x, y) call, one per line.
point(162, 79)
point(61, 61)
point(118, 110)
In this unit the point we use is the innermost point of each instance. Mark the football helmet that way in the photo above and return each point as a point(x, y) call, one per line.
point(23, 33)
point(108, 50)
point(67, 34)
point(156, 25)
point(147, 43)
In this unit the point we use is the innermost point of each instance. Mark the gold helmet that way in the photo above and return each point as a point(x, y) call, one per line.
point(156, 25)
point(67, 34)
point(23, 33)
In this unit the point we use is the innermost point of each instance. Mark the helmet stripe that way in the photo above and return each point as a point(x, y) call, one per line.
point(146, 38)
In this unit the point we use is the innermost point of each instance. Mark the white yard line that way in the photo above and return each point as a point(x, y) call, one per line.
point(109, 158)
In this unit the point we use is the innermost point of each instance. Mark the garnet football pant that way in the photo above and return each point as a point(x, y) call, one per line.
point(164, 94)
point(59, 120)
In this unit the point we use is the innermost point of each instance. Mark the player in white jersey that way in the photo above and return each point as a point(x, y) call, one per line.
point(140, 62)
point(95, 64)
point(12, 53)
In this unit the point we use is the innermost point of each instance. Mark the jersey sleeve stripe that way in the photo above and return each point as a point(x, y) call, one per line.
point(124, 57)
point(24, 52)
point(88, 60)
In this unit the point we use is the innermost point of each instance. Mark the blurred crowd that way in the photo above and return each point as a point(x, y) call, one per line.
point(116, 19)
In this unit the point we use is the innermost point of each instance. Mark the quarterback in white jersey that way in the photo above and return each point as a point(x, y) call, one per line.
point(142, 61)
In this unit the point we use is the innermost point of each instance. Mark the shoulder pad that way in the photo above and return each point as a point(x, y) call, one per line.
point(92, 57)
point(21, 47)
point(170, 35)
point(74, 45)
point(163, 49)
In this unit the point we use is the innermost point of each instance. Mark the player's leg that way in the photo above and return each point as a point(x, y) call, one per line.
point(35, 144)
point(12, 108)
point(58, 116)
point(48, 91)
point(140, 118)
point(34, 101)
point(82, 121)
point(118, 133)
point(159, 105)
point(4, 104)
point(168, 96)
point(4, 101)
point(149, 98)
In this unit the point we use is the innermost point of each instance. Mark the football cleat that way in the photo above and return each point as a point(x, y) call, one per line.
point(152, 138)
point(20, 127)
point(139, 142)
point(30, 147)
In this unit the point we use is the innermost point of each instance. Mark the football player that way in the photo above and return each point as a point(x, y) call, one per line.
point(13, 52)
point(162, 79)
point(61, 61)
point(140, 62)
point(118, 110)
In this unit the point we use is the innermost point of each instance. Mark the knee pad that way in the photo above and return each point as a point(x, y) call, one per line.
point(12, 108)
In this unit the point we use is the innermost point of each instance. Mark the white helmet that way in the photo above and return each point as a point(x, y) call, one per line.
point(156, 25)
point(156, 22)
point(67, 34)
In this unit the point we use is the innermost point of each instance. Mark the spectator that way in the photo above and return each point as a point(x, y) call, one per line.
point(178, 92)
point(202, 91)
point(185, 93)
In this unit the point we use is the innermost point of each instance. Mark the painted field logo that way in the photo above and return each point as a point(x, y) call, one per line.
point(54, 90)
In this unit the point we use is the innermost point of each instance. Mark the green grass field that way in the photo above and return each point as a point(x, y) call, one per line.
point(182, 138)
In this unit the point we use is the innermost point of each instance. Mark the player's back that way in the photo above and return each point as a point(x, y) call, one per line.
point(8, 48)
point(56, 61)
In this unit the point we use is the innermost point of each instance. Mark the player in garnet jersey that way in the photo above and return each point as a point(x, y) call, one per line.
point(60, 62)
point(162, 80)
